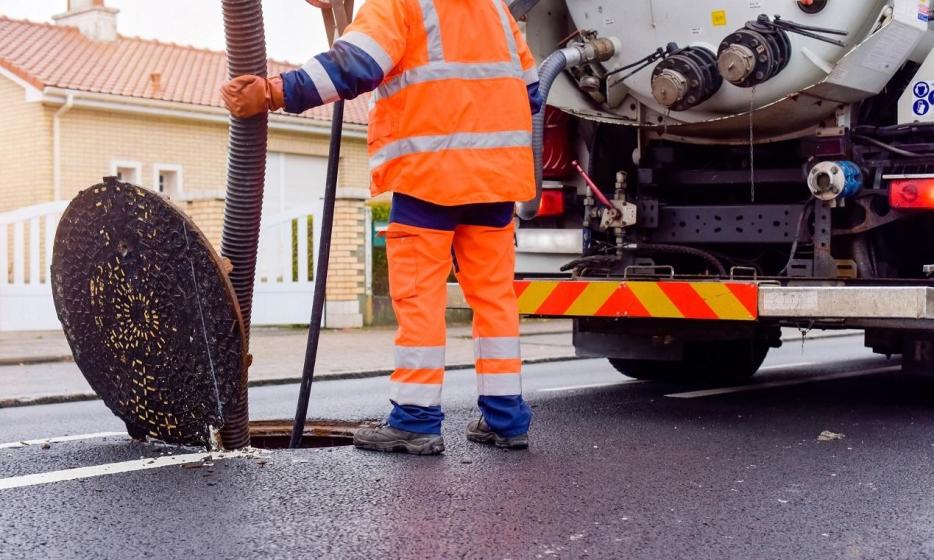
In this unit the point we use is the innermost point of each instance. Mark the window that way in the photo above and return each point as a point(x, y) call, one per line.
point(126, 171)
point(167, 179)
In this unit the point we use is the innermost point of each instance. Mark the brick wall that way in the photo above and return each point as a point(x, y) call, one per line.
point(346, 293)
point(208, 214)
point(26, 153)
point(91, 140)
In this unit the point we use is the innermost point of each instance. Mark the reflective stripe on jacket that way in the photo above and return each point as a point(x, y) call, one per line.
point(450, 119)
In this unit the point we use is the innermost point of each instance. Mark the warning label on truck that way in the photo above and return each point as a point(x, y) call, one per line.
point(924, 98)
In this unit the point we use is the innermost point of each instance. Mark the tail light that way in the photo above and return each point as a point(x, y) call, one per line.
point(552, 204)
point(912, 193)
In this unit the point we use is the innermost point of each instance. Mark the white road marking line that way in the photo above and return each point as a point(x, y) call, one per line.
point(115, 468)
point(788, 366)
point(593, 386)
point(60, 439)
point(774, 384)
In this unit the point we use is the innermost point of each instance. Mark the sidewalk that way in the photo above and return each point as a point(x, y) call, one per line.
point(36, 367)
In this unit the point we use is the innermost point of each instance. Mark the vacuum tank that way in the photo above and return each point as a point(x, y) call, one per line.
point(706, 65)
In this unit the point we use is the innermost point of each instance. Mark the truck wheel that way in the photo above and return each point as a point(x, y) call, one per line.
point(704, 362)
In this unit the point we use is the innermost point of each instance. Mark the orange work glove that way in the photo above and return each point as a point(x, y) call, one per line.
point(248, 96)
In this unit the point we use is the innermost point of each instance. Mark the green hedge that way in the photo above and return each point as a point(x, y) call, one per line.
point(380, 213)
point(311, 251)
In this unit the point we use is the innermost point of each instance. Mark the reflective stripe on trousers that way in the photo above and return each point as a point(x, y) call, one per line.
point(498, 363)
point(418, 375)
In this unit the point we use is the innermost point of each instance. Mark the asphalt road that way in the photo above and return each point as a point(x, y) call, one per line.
point(617, 470)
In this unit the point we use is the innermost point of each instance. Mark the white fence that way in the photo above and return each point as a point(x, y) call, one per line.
point(282, 295)
point(26, 237)
point(285, 267)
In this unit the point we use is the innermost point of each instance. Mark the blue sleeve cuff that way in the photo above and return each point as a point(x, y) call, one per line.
point(351, 69)
point(299, 91)
point(535, 98)
point(344, 72)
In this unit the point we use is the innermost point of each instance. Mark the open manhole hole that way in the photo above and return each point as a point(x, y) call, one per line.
point(275, 434)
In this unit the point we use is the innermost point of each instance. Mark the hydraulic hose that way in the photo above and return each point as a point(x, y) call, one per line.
point(548, 72)
point(246, 172)
point(710, 259)
point(597, 50)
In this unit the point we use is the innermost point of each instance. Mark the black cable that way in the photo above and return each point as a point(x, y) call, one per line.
point(808, 207)
point(889, 147)
point(893, 130)
point(651, 247)
point(681, 250)
point(644, 62)
point(321, 276)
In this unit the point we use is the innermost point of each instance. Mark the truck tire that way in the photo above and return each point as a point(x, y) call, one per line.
point(703, 363)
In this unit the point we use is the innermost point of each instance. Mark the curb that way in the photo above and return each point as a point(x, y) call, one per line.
point(33, 360)
point(339, 376)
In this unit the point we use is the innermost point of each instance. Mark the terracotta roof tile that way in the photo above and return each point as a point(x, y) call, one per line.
point(47, 55)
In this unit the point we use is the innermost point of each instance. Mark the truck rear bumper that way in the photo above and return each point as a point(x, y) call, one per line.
point(850, 306)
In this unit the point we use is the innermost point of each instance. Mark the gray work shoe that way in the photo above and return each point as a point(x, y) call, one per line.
point(480, 432)
point(391, 440)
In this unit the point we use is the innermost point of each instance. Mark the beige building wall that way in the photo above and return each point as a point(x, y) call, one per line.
point(25, 149)
point(92, 140)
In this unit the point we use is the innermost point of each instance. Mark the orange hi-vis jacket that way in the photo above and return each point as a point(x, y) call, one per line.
point(450, 119)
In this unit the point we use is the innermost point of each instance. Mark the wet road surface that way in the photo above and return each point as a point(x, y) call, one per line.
point(618, 469)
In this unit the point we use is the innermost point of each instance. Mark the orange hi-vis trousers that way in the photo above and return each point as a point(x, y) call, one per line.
point(420, 261)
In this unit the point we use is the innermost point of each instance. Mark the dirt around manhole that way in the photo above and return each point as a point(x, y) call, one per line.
point(275, 434)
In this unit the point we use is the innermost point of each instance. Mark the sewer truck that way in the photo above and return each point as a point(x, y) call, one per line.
point(713, 171)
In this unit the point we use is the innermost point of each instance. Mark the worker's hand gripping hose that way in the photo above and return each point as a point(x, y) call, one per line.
point(246, 171)
point(597, 50)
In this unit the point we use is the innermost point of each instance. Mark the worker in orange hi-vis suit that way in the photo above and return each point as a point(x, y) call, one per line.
point(450, 135)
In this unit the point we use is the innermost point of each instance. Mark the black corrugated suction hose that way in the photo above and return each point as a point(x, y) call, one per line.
point(246, 172)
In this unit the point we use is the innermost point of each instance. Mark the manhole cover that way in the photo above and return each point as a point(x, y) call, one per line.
point(151, 318)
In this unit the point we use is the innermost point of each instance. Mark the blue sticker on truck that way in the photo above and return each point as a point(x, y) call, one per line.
point(924, 98)
point(922, 89)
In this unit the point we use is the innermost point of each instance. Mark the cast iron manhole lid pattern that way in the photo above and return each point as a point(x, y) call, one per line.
point(149, 314)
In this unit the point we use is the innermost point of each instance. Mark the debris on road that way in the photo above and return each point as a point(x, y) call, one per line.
point(830, 436)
